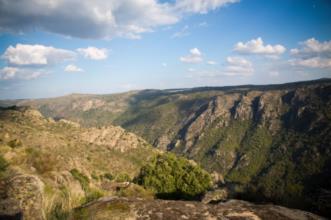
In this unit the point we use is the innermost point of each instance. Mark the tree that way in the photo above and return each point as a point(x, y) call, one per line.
point(174, 177)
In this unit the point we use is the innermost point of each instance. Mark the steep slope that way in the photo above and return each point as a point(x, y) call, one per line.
point(270, 143)
point(48, 167)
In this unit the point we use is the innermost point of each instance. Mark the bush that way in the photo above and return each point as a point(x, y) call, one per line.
point(135, 191)
point(92, 195)
point(3, 164)
point(15, 143)
point(108, 176)
point(43, 161)
point(174, 177)
point(82, 179)
point(123, 177)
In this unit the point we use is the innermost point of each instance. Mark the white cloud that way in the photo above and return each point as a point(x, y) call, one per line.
point(238, 66)
point(72, 68)
point(182, 33)
point(94, 53)
point(312, 54)
point(7, 73)
point(203, 24)
point(211, 62)
point(256, 46)
point(195, 56)
point(98, 19)
point(235, 66)
point(314, 62)
point(273, 73)
point(313, 46)
point(25, 54)
point(201, 6)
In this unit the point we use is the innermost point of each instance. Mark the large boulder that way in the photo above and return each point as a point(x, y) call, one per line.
point(22, 195)
point(215, 196)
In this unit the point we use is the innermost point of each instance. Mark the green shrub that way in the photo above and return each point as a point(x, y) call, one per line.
point(82, 179)
point(3, 164)
point(123, 177)
point(108, 176)
point(59, 207)
point(135, 191)
point(43, 161)
point(174, 177)
point(93, 195)
point(94, 176)
point(15, 143)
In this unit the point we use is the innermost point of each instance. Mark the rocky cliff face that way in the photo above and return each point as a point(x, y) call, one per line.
point(269, 145)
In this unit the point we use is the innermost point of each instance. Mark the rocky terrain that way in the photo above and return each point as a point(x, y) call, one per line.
point(48, 167)
point(126, 208)
point(264, 143)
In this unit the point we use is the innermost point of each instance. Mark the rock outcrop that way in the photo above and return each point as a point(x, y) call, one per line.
point(48, 167)
point(124, 208)
point(216, 195)
point(22, 195)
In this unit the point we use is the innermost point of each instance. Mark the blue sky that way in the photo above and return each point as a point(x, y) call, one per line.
point(54, 48)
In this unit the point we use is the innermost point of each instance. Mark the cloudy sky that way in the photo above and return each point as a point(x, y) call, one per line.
point(57, 47)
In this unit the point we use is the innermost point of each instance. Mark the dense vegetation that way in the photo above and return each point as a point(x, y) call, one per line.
point(174, 177)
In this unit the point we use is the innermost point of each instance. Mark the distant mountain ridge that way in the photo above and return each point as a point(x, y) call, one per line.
point(269, 142)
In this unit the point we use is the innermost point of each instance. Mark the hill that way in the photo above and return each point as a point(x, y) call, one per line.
point(48, 167)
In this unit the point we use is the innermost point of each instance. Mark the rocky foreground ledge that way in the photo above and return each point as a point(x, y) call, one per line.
point(124, 208)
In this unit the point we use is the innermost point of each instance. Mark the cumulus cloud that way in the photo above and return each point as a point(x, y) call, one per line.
point(7, 73)
point(313, 54)
point(201, 6)
point(238, 66)
point(25, 61)
point(72, 68)
point(314, 62)
point(234, 67)
point(25, 54)
point(313, 47)
point(98, 19)
point(94, 53)
point(195, 56)
point(257, 46)
point(211, 62)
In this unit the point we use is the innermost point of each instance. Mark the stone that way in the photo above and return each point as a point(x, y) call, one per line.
point(23, 196)
point(215, 196)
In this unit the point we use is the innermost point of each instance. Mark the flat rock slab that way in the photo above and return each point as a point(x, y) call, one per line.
point(124, 208)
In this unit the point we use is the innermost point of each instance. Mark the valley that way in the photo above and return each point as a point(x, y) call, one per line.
point(264, 144)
